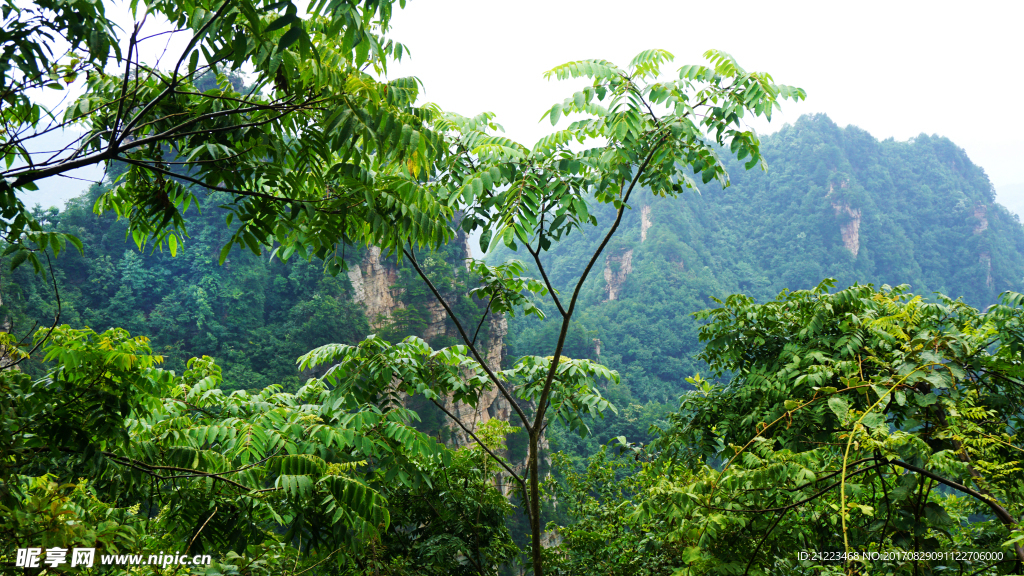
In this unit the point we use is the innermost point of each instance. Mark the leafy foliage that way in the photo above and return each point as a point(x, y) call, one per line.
point(845, 413)
point(316, 152)
point(320, 154)
point(863, 423)
point(456, 526)
point(926, 218)
point(253, 314)
point(252, 478)
point(648, 134)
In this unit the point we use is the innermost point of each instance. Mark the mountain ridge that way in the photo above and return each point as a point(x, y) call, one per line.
point(835, 202)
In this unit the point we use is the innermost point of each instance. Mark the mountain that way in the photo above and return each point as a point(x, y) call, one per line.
point(255, 314)
point(835, 202)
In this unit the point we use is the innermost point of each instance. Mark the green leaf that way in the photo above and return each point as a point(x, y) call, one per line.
point(873, 419)
point(224, 251)
point(19, 258)
point(76, 243)
point(840, 407)
point(281, 23)
point(555, 114)
point(289, 37)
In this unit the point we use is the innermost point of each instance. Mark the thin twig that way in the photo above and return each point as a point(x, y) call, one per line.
point(56, 317)
point(200, 530)
point(516, 477)
point(482, 318)
point(465, 337)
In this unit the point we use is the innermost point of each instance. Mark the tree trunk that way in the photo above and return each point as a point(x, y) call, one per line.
point(534, 499)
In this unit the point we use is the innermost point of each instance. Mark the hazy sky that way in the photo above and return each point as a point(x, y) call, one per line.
point(894, 68)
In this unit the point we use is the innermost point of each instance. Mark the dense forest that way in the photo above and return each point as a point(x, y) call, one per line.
point(260, 346)
point(254, 314)
point(834, 202)
point(769, 231)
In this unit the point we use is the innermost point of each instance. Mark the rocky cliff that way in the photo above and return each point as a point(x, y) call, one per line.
point(835, 202)
point(617, 267)
point(374, 287)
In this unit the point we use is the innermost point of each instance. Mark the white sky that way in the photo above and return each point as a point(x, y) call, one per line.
point(894, 68)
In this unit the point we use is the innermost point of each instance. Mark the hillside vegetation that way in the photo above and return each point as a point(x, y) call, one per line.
point(834, 202)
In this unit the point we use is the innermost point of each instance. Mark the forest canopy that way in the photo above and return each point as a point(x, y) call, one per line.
point(201, 374)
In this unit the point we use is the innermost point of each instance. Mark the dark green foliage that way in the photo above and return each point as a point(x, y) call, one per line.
point(600, 535)
point(457, 526)
point(109, 451)
point(255, 314)
point(844, 414)
point(860, 421)
point(924, 215)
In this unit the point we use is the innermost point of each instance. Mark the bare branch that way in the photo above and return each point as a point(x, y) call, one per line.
point(124, 83)
point(150, 469)
point(516, 477)
point(483, 318)
point(56, 317)
point(998, 510)
point(469, 343)
point(177, 67)
point(540, 267)
point(546, 392)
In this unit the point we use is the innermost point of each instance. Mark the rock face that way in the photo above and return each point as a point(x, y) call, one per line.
point(850, 220)
point(492, 404)
point(616, 269)
point(645, 222)
point(373, 285)
point(981, 212)
point(851, 228)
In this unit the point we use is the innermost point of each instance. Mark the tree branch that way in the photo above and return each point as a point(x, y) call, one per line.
point(124, 83)
point(56, 317)
point(516, 477)
point(540, 267)
point(466, 339)
point(478, 441)
point(761, 543)
point(546, 392)
point(482, 318)
point(177, 67)
point(148, 468)
point(31, 175)
point(203, 184)
point(998, 510)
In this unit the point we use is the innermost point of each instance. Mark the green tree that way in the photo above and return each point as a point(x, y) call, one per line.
point(320, 153)
point(109, 451)
point(309, 152)
point(781, 229)
point(455, 526)
point(253, 314)
point(649, 134)
point(860, 420)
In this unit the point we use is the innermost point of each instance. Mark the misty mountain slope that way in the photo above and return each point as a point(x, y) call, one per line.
point(835, 202)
